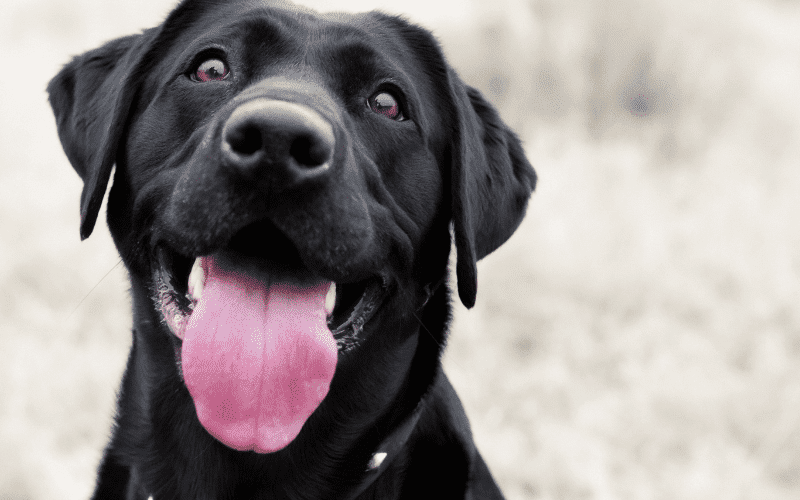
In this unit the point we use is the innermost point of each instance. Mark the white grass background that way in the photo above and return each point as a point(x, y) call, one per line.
point(638, 338)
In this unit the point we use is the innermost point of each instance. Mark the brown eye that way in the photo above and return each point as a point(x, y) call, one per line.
point(384, 103)
point(211, 69)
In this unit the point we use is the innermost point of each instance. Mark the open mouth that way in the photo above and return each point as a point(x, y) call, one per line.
point(263, 253)
point(260, 334)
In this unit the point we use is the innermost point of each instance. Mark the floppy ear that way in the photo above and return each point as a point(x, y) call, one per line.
point(491, 181)
point(91, 97)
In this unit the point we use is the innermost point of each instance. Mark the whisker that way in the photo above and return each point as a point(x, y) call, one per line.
point(93, 289)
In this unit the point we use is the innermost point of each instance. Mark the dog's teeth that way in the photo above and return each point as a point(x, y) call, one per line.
point(330, 299)
point(197, 280)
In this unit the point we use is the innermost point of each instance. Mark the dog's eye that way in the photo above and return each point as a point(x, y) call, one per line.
point(386, 104)
point(211, 69)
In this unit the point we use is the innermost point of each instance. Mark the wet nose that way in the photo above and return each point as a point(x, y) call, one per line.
point(288, 142)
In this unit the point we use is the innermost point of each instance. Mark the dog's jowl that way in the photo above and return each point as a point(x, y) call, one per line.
point(283, 196)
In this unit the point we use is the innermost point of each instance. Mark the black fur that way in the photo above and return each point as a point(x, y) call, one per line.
point(384, 208)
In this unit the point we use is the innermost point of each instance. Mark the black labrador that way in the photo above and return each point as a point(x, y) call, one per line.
point(283, 196)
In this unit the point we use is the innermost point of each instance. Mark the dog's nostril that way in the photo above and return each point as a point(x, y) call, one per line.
point(309, 151)
point(246, 140)
point(287, 142)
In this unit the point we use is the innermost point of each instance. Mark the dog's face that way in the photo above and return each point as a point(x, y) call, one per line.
point(296, 135)
point(282, 178)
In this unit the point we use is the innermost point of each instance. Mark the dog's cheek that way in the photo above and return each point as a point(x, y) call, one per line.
point(169, 113)
point(120, 207)
point(145, 149)
point(418, 183)
point(408, 169)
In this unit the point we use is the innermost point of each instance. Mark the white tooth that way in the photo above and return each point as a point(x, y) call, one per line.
point(197, 279)
point(330, 299)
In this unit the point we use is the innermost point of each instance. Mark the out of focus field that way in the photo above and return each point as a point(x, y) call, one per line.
point(638, 338)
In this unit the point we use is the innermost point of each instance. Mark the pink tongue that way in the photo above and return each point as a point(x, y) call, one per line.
point(257, 357)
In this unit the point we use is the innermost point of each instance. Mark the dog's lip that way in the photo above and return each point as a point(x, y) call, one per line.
point(176, 280)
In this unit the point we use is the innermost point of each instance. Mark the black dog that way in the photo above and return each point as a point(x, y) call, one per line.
point(264, 153)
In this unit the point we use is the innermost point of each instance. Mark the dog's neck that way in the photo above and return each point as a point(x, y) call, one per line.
point(387, 451)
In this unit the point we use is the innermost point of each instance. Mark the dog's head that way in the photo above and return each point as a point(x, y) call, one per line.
point(281, 170)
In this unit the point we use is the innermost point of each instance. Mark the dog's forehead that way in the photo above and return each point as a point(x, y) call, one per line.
point(293, 24)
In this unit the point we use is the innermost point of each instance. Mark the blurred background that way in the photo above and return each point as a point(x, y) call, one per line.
point(639, 336)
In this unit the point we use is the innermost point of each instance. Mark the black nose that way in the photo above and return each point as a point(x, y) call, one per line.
point(287, 142)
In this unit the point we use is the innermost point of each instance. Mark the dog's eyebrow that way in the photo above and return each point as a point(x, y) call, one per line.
point(357, 61)
point(261, 28)
point(264, 30)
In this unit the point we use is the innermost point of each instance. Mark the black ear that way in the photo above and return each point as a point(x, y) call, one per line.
point(91, 97)
point(491, 182)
